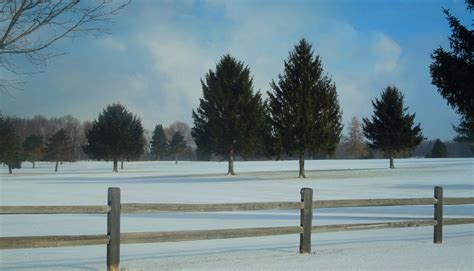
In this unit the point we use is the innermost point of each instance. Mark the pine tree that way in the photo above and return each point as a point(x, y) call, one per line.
point(465, 132)
point(33, 148)
point(439, 150)
point(391, 129)
point(10, 145)
point(159, 144)
point(452, 72)
point(177, 145)
point(116, 135)
point(354, 144)
point(203, 154)
point(230, 116)
point(59, 148)
point(303, 108)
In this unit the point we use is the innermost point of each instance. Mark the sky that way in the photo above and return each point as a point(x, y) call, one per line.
point(157, 52)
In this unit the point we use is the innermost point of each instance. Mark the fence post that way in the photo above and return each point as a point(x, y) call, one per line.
point(438, 215)
point(306, 219)
point(113, 229)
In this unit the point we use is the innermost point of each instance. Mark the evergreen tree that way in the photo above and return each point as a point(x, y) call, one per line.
point(202, 154)
point(33, 148)
point(391, 129)
point(10, 145)
point(230, 116)
point(116, 135)
point(177, 145)
point(465, 132)
point(354, 144)
point(59, 148)
point(452, 72)
point(303, 108)
point(159, 144)
point(439, 150)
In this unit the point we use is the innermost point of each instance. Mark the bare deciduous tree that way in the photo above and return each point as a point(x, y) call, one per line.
point(29, 28)
point(354, 143)
point(182, 128)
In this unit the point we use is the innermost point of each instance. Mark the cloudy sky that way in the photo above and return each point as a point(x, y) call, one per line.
point(158, 51)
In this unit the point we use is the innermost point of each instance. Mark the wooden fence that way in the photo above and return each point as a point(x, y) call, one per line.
point(114, 208)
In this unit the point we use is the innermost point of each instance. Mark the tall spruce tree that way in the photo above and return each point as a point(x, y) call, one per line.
point(391, 129)
point(10, 145)
point(452, 72)
point(159, 144)
point(230, 116)
point(303, 108)
point(439, 150)
point(177, 145)
point(33, 148)
point(59, 148)
point(116, 135)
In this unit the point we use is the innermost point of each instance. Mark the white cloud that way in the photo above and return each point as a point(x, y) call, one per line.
point(180, 60)
point(112, 45)
point(388, 53)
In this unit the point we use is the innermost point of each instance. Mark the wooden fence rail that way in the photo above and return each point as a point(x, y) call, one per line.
point(71, 209)
point(115, 237)
point(133, 208)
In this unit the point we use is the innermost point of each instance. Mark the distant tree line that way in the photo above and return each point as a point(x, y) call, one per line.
point(66, 139)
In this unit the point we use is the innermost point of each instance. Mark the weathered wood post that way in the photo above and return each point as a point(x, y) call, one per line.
point(113, 229)
point(438, 215)
point(306, 219)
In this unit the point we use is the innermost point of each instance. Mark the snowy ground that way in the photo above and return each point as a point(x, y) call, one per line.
point(205, 182)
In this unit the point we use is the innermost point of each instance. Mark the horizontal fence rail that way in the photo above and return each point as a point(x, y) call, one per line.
point(458, 201)
point(458, 221)
point(131, 208)
point(53, 241)
point(372, 226)
point(176, 236)
point(72, 209)
point(114, 209)
point(372, 202)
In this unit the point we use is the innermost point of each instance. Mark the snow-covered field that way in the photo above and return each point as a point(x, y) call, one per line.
point(205, 182)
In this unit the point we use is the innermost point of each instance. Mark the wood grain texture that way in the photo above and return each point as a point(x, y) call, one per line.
point(372, 202)
point(457, 221)
point(438, 215)
point(71, 209)
point(113, 229)
point(306, 219)
point(177, 236)
point(458, 201)
point(52, 241)
point(216, 207)
point(372, 226)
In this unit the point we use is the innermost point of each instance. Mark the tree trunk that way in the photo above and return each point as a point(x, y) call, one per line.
point(176, 158)
point(61, 163)
point(33, 164)
point(231, 162)
point(56, 168)
point(115, 165)
point(391, 162)
point(302, 174)
point(121, 164)
point(10, 169)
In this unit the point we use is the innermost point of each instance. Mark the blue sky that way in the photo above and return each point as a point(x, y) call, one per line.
point(159, 50)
